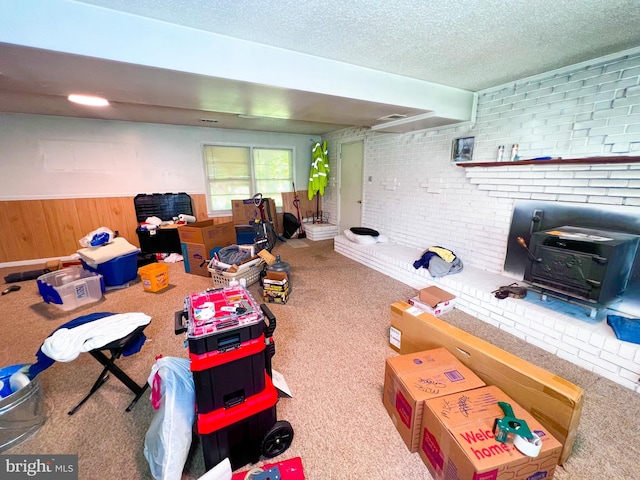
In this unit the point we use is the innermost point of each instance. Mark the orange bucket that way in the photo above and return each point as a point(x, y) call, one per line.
point(155, 277)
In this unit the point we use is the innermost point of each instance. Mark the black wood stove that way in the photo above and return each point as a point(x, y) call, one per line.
point(592, 265)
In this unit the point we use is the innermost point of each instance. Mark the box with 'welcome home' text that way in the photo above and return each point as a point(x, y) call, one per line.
point(457, 439)
point(554, 401)
point(411, 379)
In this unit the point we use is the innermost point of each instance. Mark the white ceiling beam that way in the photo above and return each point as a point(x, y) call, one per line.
point(77, 28)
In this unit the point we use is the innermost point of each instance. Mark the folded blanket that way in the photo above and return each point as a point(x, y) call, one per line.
point(118, 247)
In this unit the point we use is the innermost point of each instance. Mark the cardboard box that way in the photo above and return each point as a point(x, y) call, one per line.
point(425, 307)
point(275, 287)
point(275, 281)
point(195, 259)
point(411, 379)
point(433, 300)
point(59, 264)
point(457, 436)
point(555, 402)
point(208, 234)
point(269, 296)
point(245, 211)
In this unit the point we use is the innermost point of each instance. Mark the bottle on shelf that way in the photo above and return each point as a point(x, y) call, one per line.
point(514, 152)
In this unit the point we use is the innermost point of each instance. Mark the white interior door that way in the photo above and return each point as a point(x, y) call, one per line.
point(351, 161)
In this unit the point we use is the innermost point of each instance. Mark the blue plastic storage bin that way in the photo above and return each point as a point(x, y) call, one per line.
point(118, 271)
point(70, 288)
point(245, 234)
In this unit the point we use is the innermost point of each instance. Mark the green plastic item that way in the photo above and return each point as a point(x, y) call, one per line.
point(509, 424)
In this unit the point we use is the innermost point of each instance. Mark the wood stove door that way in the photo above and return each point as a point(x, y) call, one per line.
point(570, 271)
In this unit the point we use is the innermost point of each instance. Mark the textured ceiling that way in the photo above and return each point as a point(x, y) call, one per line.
point(469, 44)
point(311, 66)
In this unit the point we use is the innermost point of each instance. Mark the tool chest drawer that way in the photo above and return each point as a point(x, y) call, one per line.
point(231, 383)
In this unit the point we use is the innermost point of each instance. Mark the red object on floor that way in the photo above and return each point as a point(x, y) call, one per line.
point(289, 469)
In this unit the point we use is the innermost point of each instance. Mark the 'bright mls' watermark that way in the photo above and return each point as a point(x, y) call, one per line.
point(49, 467)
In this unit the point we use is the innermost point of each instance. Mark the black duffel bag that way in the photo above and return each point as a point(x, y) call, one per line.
point(290, 225)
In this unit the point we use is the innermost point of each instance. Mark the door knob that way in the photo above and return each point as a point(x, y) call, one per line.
point(359, 201)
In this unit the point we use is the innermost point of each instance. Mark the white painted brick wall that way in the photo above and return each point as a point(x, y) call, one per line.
point(418, 198)
point(591, 111)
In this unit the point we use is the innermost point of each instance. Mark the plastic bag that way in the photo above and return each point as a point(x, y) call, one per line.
point(168, 440)
point(626, 329)
point(97, 238)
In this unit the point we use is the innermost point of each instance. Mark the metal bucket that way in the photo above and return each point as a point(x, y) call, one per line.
point(22, 412)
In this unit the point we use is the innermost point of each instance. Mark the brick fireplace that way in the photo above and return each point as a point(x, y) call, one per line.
point(606, 194)
point(480, 235)
point(417, 197)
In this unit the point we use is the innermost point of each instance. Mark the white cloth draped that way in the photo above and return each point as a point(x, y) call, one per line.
point(65, 344)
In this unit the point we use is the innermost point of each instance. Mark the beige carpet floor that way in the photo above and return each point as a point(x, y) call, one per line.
point(331, 345)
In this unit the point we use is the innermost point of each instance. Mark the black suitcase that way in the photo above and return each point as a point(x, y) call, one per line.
point(290, 225)
point(165, 206)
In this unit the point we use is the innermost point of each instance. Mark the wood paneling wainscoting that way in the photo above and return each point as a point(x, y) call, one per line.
point(306, 205)
point(33, 229)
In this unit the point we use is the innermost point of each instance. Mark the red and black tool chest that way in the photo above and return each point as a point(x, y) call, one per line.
point(230, 347)
point(239, 432)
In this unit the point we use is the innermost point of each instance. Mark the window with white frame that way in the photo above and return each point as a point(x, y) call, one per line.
point(238, 173)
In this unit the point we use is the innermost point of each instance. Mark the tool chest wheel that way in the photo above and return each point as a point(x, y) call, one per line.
point(277, 439)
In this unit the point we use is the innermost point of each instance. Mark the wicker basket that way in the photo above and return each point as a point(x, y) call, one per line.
point(222, 279)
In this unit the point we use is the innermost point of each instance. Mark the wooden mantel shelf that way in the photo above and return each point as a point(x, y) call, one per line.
point(554, 161)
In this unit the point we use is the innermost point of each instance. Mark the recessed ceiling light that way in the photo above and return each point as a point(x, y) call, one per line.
point(88, 100)
point(248, 116)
